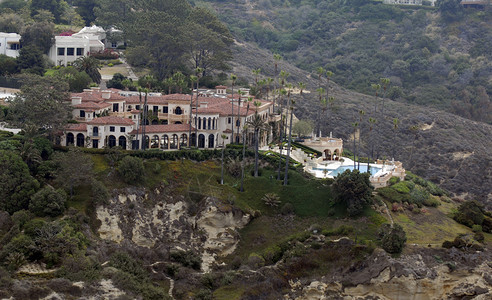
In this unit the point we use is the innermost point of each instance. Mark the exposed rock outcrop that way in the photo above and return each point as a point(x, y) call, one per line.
point(154, 220)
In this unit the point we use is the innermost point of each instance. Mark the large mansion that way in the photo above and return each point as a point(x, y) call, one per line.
point(109, 118)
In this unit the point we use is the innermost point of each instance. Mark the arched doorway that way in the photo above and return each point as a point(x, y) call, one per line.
point(155, 142)
point(122, 142)
point(80, 140)
point(70, 139)
point(201, 141)
point(211, 141)
point(183, 140)
point(328, 154)
point(111, 141)
point(336, 154)
point(165, 142)
point(193, 140)
point(178, 111)
point(174, 141)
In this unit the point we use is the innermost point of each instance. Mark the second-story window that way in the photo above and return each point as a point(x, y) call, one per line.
point(122, 129)
point(111, 128)
point(229, 120)
point(165, 109)
point(178, 111)
point(82, 114)
point(80, 51)
point(61, 51)
point(70, 51)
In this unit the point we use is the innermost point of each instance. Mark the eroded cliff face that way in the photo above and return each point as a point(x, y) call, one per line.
point(410, 277)
point(157, 220)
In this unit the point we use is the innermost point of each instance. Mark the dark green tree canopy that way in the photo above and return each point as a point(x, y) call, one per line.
point(168, 35)
point(392, 239)
point(43, 102)
point(40, 35)
point(48, 202)
point(16, 184)
point(354, 189)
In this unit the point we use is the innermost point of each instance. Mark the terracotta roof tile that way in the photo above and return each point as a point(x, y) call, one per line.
point(76, 127)
point(150, 129)
point(111, 121)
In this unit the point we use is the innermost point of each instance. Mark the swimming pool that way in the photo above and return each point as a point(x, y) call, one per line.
point(341, 169)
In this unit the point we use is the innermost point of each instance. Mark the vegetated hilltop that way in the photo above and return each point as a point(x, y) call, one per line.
point(452, 151)
point(109, 223)
point(434, 57)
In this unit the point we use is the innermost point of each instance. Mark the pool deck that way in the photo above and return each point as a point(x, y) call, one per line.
point(387, 169)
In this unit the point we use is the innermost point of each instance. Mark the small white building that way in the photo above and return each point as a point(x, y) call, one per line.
point(67, 49)
point(10, 44)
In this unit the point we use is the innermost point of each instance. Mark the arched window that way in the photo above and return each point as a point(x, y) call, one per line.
point(183, 140)
point(146, 142)
point(80, 140)
point(122, 142)
point(95, 131)
point(174, 141)
point(238, 122)
point(155, 142)
point(204, 123)
point(209, 123)
point(178, 111)
point(111, 141)
point(201, 141)
point(70, 139)
point(193, 140)
point(199, 123)
point(165, 142)
point(211, 141)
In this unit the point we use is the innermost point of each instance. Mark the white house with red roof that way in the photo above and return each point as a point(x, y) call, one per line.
point(109, 118)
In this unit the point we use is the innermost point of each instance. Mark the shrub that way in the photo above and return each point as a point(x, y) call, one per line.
point(401, 187)
point(187, 259)
point(131, 169)
point(48, 202)
point(271, 199)
point(477, 228)
point(394, 180)
point(353, 189)
point(418, 196)
point(432, 202)
point(392, 239)
point(470, 213)
point(287, 209)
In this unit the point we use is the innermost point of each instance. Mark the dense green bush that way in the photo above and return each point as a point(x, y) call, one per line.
point(48, 202)
point(401, 187)
point(187, 259)
point(131, 169)
point(353, 189)
point(392, 239)
point(470, 213)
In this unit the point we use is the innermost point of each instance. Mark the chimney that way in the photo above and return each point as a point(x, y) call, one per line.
point(87, 90)
point(95, 88)
point(76, 100)
point(106, 94)
point(203, 104)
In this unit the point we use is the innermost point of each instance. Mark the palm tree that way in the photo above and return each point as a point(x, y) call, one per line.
point(140, 115)
point(324, 103)
point(396, 122)
point(198, 71)
point(283, 92)
point(302, 86)
point(385, 82)
point(223, 136)
point(170, 83)
point(245, 129)
point(90, 65)
point(355, 125)
point(328, 76)
point(361, 115)
point(233, 78)
point(320, 72)
point(372, 121)
point(193, 78)
point(256, 73)
point(268, 82)
point(145, 112)
point(376, 88)
point(276, 58)
point(257, 124)
point(179, 81)
point(238, 121)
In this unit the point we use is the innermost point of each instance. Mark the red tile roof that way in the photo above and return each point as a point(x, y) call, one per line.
point(93, 105)
point(76, 127)
point(164, 128)
point(111, 121)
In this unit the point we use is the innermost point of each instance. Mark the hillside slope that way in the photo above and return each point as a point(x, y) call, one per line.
point(449, 150)
point(433, 57)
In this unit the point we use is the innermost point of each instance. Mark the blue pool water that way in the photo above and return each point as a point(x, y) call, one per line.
point(341, 169)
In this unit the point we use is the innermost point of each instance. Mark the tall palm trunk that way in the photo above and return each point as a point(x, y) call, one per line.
point(191, 114)
point(196, 111)
point(244, 148)
point(145, 122)
point(140, 117)
point(257, 133)
point(286, 175)
point(232, 108)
